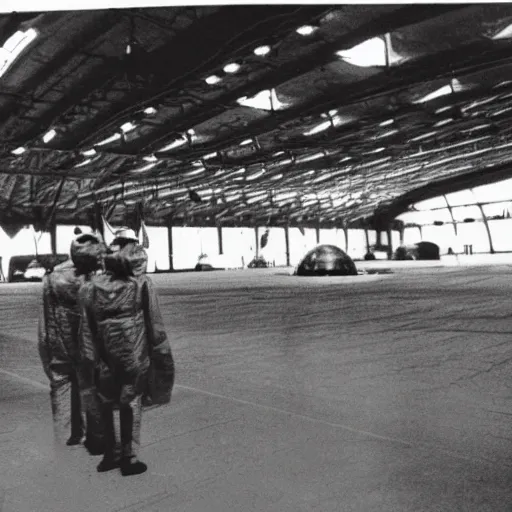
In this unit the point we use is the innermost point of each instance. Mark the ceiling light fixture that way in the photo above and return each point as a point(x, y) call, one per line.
point(18, 151)
point(212, 80)
point(48, 136)
point(150, 158)
point(262, 50)
point(128, 127)
point(233, 67)
point(306, 30)
point(150, 111)
point(89, 152)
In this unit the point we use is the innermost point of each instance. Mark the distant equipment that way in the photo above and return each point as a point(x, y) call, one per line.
point(418, 251)
point(326, 260)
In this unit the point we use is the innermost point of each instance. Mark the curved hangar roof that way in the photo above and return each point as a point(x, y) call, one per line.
point(243, 115)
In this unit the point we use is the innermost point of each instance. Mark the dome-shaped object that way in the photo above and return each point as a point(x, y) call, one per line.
point(326, 260)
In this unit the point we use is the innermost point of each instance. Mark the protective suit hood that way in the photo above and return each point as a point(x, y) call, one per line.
point(131, 260)
point(87, 252)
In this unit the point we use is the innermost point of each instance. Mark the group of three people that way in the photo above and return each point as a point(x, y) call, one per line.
point(103, 347)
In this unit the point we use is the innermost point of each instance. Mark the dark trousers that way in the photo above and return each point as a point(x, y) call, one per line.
point(129, 427)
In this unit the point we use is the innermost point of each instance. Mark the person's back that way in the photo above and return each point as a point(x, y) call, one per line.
point(58, 343)
point(122, 326)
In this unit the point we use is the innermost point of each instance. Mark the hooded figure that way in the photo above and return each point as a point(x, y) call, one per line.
point(122, 331)
point(59, 349)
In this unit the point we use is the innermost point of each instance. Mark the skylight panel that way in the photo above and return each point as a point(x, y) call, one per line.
point(14, 46)
point(506, 33)
point(453, 86)
point(264, 100)
point(369, 53)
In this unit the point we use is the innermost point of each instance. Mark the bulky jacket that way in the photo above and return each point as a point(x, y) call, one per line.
point(122, 326)
point(59, 321)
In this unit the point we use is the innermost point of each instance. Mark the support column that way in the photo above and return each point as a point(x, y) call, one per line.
point(367, 237)
point(378, 243)
point(219, 236)
point(256, 235)
point(390, 245)
point(287, 242)
point(170, 245)
point(402, 229)
point(53, 238)
point(317, 234)
point(451, 214)
point(345, 230)
point(98, 223)
point(484, 218)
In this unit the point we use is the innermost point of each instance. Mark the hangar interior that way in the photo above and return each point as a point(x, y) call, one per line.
point(238, 131)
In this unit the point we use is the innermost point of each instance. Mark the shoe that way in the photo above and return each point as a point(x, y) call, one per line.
point(94, 447)
point(131, 466)
point(74, 440)
point(107, 464)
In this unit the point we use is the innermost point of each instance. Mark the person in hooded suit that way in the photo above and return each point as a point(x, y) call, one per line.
point(122, 330)
point(58, 346)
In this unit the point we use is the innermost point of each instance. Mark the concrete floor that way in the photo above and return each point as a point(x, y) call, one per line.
point(385, 393)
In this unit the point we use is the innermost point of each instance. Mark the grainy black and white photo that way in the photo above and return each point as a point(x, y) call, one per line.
point(255, 257)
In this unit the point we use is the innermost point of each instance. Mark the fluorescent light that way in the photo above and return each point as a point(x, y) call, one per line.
point(89, 152)
point(233, 67)
point(175, 144)
point(85, 162)
point(262, 50)
point(306, 30)
point(318, 128)
point(150, 111)
point(309, 158)
point(387, 122)
point(150, 158)
point(245, 142)
point(48, 136)
point(128, 127)
point(110, 139)
point(194, 172)
point(18, 151)
point(255, 175)
point(210, 155)
point(144, 168)
point(13, 47)
point(443, 122)
point(212, 80)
